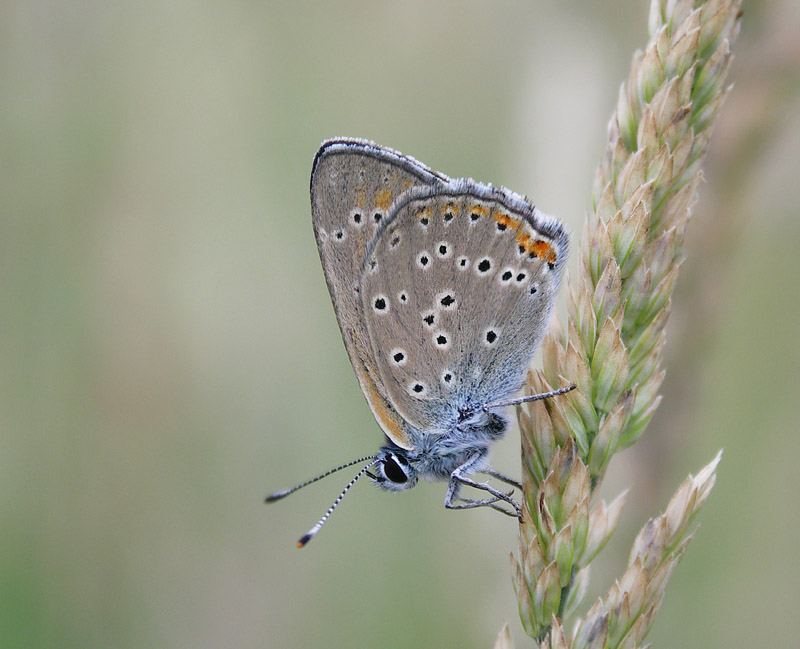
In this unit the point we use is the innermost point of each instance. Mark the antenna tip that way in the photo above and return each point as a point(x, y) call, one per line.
point(305, 539)
point(277, 496)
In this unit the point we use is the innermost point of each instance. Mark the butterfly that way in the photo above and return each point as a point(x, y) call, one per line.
point(442, 289)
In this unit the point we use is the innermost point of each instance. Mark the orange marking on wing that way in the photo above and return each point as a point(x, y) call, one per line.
point(383, 199)
point(540, 248)
point(426, 212)
point(479, 209)
point(390, 424)
point(450, 208)
point(505, 219)
point(361, 198)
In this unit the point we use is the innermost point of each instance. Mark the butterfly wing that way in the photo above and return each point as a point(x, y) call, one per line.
point(457, 289)
point(353, 183)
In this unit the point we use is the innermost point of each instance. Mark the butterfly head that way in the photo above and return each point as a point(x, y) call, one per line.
point(393, 470)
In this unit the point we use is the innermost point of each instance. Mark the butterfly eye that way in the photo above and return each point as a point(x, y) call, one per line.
point(393, 471)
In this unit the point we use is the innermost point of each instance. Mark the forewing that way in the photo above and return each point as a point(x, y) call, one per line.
point(457, 289)
point(353, 183)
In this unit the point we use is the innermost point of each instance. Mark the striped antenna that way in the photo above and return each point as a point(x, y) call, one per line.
point(282, 494)
point(532, 397)
point(310, 534)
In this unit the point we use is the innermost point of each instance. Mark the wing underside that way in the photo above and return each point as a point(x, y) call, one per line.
point(353, 185)
point(457, 289)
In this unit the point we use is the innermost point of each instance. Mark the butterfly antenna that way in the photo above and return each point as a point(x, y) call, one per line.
point(310, 534)
point(532, 397)
point(282, 494)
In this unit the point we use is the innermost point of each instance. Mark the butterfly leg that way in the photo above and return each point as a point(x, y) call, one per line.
point(502, 478)
point(489, 502)
point(454, 494)
point(457, 478)
point(470, 503)
point(454, 501)
point(498, 495)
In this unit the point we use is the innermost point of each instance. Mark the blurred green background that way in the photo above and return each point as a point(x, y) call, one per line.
point(170, 355)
